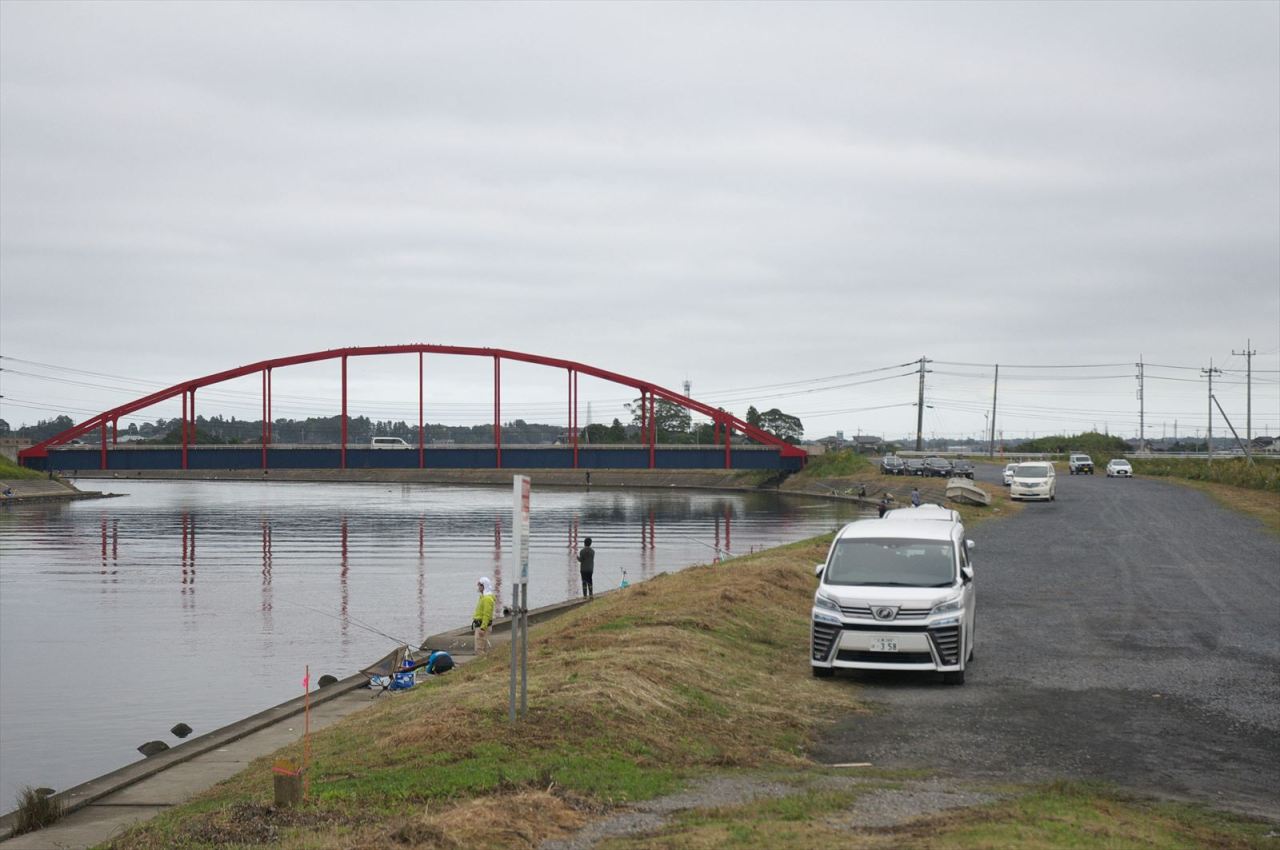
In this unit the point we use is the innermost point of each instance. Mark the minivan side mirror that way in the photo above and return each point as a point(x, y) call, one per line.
point(966, 574)
point(968, 544)
point(817, 571)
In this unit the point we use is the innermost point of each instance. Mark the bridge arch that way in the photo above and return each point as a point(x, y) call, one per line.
point(725, 423)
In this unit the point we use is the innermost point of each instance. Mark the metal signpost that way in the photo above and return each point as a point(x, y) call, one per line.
point(520, 593)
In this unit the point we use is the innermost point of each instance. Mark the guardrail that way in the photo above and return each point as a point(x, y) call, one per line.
point(85, 447)
point(1218, 455)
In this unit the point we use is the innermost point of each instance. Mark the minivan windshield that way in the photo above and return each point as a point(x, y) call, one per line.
point(1031, 472)
point(894, 563)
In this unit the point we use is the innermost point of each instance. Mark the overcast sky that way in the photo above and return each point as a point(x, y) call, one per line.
point(740, 195)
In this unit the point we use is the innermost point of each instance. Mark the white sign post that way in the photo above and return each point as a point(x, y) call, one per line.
point(520, 593)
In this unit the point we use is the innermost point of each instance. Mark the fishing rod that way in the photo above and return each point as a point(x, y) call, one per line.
point(391, 672)
point(349, 619)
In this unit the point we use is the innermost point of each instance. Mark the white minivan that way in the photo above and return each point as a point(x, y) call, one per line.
point(1034, 479)
point(896, 594)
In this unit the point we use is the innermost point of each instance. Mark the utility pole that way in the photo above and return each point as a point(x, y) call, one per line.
point(1248, 389)
point(1209, 432)
point(995, 385)
point(920, 408)
point(1142, 408)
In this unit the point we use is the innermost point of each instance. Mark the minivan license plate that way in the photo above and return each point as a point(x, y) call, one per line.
point(884, 645)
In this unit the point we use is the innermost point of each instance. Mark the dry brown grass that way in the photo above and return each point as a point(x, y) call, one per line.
point(519, 820)
point(705, 654)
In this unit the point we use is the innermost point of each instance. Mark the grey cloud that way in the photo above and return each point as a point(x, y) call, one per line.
point(743, 193)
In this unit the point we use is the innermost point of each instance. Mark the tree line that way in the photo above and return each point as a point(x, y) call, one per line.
point(673, 423)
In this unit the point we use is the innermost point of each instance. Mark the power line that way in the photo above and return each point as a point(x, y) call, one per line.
point(1034, 365)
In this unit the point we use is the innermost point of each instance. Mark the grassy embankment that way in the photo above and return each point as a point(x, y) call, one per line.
point(690, 674)
point(837, 465)
point(10, 471)
point(1253, 490)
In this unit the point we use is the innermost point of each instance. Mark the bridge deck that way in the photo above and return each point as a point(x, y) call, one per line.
point(133, 457)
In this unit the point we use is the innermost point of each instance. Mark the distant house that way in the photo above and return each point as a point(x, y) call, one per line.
point(827, 444)
point(868, 445)
point(860, 444)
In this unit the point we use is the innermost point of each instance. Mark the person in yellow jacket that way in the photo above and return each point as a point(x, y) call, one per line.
point(483, 616)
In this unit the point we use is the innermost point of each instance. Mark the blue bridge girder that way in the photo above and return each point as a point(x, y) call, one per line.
point(244, 457)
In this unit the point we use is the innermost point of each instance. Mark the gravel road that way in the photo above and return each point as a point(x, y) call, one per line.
point(1128, 632)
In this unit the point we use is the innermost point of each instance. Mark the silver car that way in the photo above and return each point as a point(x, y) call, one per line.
point(1034, 480)
point(1119, 468)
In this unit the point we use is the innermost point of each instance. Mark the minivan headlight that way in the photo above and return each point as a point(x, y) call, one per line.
point(821, 600)
point(948, 606)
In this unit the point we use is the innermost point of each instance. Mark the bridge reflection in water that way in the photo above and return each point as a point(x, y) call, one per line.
point(717, 525)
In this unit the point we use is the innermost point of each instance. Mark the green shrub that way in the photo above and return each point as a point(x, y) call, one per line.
point(1264, 475)
point(836, 465)
point(10, 471)
point(1100, 447)
point(36, 809)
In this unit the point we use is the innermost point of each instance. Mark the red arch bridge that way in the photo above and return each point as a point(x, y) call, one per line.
point(761, 450)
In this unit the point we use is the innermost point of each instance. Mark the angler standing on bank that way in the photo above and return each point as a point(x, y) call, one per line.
point(483, 617)
point(587, 566)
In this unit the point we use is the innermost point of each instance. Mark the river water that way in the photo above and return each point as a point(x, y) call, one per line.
point(203, 602)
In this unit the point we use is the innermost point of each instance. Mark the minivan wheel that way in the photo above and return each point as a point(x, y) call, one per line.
point(956, 678)
point(823, 672)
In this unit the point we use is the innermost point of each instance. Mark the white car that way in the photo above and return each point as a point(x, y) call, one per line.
point(388, 443)
point(1034, 479)
point(1008, 473)
point(1119, 468)
point(896, 594)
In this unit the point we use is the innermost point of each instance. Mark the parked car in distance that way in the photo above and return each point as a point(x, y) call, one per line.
point(1080, 464)
point(914, 466)
point(388, 443)
point(1034, 479)
point(937, 467)
point(1118, 467)
point(962, 469)
point(892, 465)
point(896, 594)
point(1008, 473)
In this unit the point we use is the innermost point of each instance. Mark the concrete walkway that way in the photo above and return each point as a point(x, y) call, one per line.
point(101, 808)
point(40, 488)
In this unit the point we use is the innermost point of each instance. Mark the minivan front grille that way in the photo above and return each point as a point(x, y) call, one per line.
point(947, 644)
point(903, 613)
point(823, 638)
